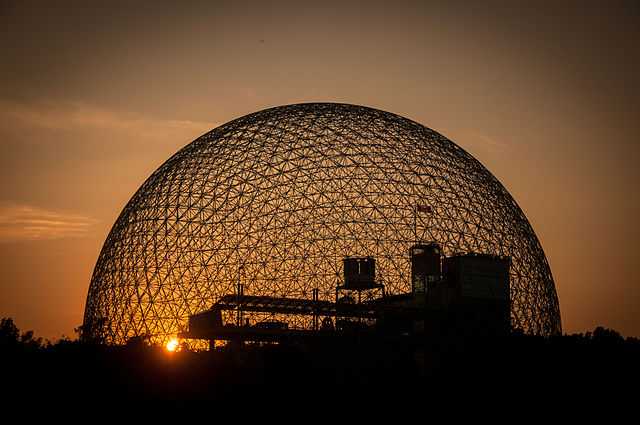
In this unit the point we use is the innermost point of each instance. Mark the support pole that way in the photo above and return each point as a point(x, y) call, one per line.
point(415, 224)
point(239, 294)
point(315, 309)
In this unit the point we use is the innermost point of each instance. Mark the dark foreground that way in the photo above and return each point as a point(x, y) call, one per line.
point(597, 364)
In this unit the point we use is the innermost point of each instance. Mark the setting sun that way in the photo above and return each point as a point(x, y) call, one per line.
point(172, 345)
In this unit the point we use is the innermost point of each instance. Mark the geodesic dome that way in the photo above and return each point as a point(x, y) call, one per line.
point(277, 198)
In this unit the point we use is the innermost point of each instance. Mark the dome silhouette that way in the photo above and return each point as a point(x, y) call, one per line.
point(276, 199)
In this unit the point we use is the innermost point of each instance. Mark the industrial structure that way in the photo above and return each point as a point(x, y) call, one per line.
point(312, 217)
point(468, 297)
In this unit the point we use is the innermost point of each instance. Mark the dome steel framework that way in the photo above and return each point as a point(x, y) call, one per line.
point(277, 198)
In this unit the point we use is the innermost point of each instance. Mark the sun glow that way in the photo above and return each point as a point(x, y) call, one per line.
point(172, 345)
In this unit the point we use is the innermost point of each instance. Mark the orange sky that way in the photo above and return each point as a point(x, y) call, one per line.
point(94, 98)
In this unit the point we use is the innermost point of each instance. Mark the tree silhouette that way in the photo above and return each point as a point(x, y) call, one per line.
point(11, 339)
point(9, 333)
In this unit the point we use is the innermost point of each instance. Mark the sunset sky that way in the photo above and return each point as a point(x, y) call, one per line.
point(94, 98)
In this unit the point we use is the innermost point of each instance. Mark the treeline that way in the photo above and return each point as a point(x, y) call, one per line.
point(599, 362)
point(11, 339)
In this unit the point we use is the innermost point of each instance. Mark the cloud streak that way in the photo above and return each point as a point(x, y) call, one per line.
point(475, 140)
point(19, 222)
point(73, 116)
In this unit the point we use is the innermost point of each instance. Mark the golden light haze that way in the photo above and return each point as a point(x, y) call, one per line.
point(93, 98)
point(172, 345)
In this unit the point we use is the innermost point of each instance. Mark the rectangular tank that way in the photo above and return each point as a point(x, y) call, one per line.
point(479, 276)
point(477, 293)
point(359, 272)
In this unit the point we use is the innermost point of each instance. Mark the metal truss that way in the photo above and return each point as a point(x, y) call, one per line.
point(298, 306)
point(274, 200)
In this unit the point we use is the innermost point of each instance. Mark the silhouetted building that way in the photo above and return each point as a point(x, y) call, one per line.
point(276, 199)
point(476, 287)
point(426, 267)
point(470, 299)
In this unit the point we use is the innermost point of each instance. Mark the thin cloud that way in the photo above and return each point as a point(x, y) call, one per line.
point(20, 222)
point(476, 141)
point(70, 116)
point(490, 143)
